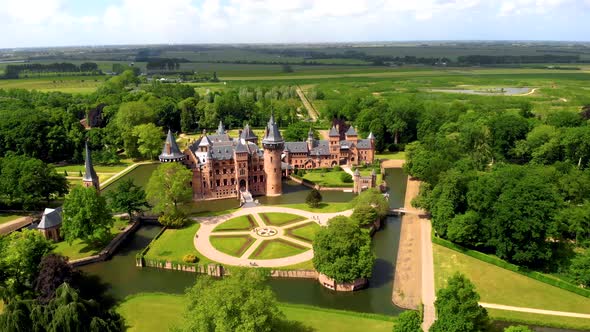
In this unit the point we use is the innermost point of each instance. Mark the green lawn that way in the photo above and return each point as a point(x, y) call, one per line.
point(79, 249)
point(325, 207)
point(327, 179)
point(74, 170)
point(241, 223)
point(391, 155)
point(307, 265)
point(6, 217)
point(280, 219)
point(232, 245)
point(159, 312)
point(271, 249)
point(173, 244)
point(500, 286)
point(541, 320)
point(307, 232)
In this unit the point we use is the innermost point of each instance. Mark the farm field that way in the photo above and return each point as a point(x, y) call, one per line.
point(68, 84)
point(159, 312)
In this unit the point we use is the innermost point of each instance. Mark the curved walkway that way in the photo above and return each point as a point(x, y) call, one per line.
point(534, 311)
point(204, 246)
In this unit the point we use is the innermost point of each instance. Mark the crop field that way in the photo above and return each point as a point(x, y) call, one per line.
point(69, 84)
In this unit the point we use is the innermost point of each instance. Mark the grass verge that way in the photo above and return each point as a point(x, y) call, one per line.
point(325, 207)
point(173, 244)
point(241, 223)
point(232, 245)
point(501, 286)
point(305, 232)
point(80, 249)
point(159, 312)
point(540, 320)
point(280, 219)
point(270, 249)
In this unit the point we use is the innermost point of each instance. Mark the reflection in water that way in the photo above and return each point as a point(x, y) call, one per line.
point(125, 279)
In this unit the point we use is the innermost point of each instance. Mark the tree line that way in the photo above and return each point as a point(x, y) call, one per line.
point(508, 183)
point(16, 71)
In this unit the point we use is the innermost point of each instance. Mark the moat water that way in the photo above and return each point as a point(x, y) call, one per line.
point(124, 278)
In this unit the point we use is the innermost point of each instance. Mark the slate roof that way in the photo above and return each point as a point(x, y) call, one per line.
point(333, 132)
point(174, 152)
point(296, 147)
point(322, 148)
point(272, 135)
point(240, 148)
point(51, 218)
point(363, 144)
point(351, 131)
point(346, 144)
point(89, 173)
point(219, 138)
point(247, 133)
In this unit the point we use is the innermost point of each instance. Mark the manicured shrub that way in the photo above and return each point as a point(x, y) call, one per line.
point(190, 258)
point(337, 168)
point(346, 178)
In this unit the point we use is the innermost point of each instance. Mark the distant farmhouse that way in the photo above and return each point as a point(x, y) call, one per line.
point(224, 167)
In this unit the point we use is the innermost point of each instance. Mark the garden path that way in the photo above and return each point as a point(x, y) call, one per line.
point(204, 246)
point(534, 311)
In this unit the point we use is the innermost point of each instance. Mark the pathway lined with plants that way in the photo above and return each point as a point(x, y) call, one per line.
point(265, 234)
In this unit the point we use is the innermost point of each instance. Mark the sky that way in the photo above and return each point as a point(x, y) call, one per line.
point(33, 23)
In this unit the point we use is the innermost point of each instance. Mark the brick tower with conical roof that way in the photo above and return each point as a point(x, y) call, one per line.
point(273, 145)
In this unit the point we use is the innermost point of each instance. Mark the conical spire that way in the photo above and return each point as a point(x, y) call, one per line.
point(171, 151)
point(220, 128)
point(272, 135)
point(89, 173)
point(333, 132)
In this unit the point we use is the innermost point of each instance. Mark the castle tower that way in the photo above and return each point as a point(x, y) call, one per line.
point(90, 179)
point(334, 136)
point(248, 135)
point(357, 181)
point(273, 145)
point(220, 128)
point(241, 167)
point(171, 151)
point(310, 140)
point(351, 135)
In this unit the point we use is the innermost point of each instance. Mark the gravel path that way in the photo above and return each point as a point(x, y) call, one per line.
point(203, 245)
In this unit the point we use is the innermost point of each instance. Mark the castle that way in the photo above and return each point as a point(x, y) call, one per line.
point(224, 167)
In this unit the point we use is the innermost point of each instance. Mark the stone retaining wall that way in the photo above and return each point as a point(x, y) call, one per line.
point(342, 286)
point(110, 249)
point(318, 187)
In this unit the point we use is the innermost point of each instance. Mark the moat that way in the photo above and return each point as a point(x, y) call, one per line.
point(124, 278)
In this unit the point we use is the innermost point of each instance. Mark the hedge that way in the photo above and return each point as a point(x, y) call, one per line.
point(514, 268)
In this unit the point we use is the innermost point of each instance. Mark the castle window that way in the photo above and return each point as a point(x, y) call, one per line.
point(225, 182)
point(217, 182)
point(271, 159)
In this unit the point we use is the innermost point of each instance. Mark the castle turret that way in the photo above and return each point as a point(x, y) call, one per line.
point(371, 137)
point(248, 135)
point(351, 135)
point(220, 128)
point(273, 145)
point(310, 139)
point(170, 151)
point(90, 179)
point(334, 137)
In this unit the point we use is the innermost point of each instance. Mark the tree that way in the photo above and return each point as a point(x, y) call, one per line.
point(149, 139)
point(342, 251)
point(85, 216)
point(127, 197)
point(457, 308)
point(373, 197)
point(67, 311)
point(240, 302)
point(54, 270)
point(580, 269)
point(298, 132)
point(314, 198)
point(132, 114)
point(365, 215)
point(20, 255)
point(25, 181)
point(169, 187)
point(408, 321)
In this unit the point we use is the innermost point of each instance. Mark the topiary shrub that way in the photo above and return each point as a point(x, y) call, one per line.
point(337, 168)
point(190, 258)
point(346, 178)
